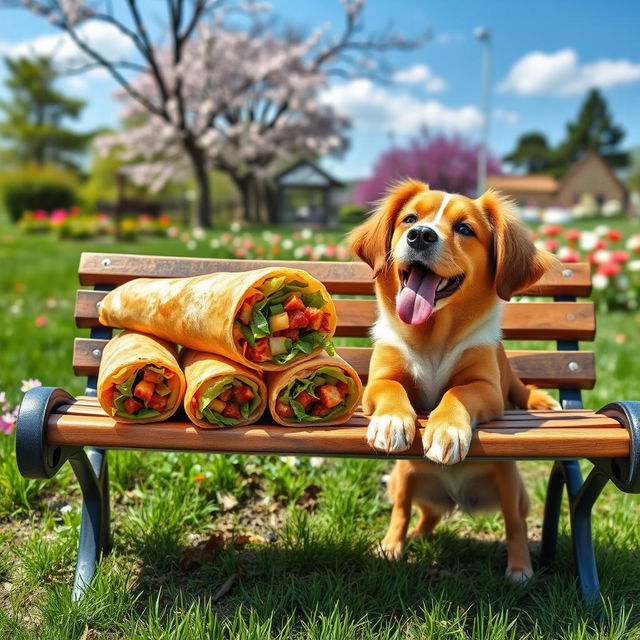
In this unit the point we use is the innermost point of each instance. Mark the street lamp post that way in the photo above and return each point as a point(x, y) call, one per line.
point(484, 35)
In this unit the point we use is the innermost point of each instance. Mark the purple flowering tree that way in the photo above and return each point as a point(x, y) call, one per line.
point(444, 163)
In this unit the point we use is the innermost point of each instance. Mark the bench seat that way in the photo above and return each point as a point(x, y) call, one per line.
point(519, 435)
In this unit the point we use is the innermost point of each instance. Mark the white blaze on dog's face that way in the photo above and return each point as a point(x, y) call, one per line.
point(430, 249)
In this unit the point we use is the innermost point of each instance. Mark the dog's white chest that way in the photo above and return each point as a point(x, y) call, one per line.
point(431, 368)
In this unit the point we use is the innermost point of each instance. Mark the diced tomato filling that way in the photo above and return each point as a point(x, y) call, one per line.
point(225, 396)
point(144, 390)
point(297, 320)
point(232, 410)
point(242, 393)
point(152, 376)
point(294, 303)
point(314, 316)
point(260, 352)
point(131, 405)
point(325, 325)
point(284, 410)
point(320, 411)
point(157, 402)
point(329, 395)
point(305, 399)
point(343, 388)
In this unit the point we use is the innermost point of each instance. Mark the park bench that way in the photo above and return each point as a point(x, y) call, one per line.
point(54, 427)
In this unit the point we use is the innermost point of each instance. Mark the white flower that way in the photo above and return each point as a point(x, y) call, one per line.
point(198, 233)
point(306, 234)
point(385, 478)
point(214, 244)
point(287, 244)
point(3, 397)
point(290, 460)
point(539, 244)
point(316, 462)
point(266, 236)
point(192, 245)
point(67, 508)
point(602, 256)
point(602, 230)
point(633, 243)
point(588, 240)
point(633, 265)
point(600, 281)
point(32, 383)
point(235, 226)
point(298, 253)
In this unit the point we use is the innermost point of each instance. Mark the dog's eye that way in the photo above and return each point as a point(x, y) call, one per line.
point(463, 229)
point(410, 219)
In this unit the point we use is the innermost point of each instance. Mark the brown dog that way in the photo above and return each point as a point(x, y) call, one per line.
point(442, 264)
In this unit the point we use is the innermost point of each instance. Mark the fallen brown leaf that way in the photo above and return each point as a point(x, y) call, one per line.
point(309, 498)
point(203, 552)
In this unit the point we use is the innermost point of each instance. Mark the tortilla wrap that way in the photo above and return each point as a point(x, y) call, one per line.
point(277, 381)
point(201, 368)
point(127, 353)
point(199, 312)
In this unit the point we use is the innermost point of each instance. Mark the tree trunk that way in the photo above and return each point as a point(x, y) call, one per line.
point(244, 189)
point(203, 202)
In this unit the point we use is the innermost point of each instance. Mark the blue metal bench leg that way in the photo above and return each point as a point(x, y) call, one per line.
point(552, 506)
point(582, 497)
point(91, 470)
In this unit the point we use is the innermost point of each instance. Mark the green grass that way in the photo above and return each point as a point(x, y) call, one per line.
point(312, 573)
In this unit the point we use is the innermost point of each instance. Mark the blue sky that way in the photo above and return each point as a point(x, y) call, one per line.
point(545, 56)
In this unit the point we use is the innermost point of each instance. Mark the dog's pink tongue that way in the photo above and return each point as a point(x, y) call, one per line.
point(416, 300)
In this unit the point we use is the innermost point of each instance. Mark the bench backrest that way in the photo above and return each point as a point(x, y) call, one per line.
point(557, 317)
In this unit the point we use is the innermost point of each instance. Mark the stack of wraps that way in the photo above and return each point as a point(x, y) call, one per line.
point(235, 327)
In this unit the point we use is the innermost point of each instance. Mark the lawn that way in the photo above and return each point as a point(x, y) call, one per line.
point(305, 569)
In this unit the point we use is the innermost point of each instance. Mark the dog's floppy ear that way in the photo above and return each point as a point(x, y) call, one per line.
point(371, 241)
point(518, 263)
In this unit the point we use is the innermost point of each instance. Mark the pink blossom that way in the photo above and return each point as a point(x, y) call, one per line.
point(31, 383)
point(331, 251)
point(551, 230)
point(40, 214)
point(7, 422)
point(307, 250)
point(240, 252)
point(41, 321)
point(173, 232)
point(566, 254)
point(248, 243)
point(58, 217)
point(614, 235)
point(551, 245)
point(609, 269)
point(620, 256)
point(572, 235)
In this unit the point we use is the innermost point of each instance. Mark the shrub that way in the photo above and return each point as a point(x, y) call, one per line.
point(37, 189)
point(352, 213)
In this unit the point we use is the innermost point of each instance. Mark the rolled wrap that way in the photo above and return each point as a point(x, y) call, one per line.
point(277, 381)
point(200, 368)
point(199, 312)
point(127, 353)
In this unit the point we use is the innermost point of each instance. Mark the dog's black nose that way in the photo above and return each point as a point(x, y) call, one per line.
point(421, 237)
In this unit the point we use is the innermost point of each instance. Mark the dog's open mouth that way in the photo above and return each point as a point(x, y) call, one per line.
point(420, 290)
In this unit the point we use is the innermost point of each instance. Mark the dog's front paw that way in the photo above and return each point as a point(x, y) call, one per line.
point(391, 433)
point(541, 401)
point(519, 575)
point(446, 443)
point(390, 549)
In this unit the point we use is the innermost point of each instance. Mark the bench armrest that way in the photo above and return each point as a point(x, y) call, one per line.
point(36, 458)
point(624, 472)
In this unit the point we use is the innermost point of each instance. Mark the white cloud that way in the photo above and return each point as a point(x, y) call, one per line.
point(103, 37)
point(378, 108)
point(561, 74)
point(420, 74)
point(503, 115)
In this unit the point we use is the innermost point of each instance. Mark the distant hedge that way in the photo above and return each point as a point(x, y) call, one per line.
point(352, 213)
point(35, 188)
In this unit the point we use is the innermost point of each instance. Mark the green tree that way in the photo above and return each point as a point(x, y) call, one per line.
point(532, 153)
point(33, 130)
point(593, 130)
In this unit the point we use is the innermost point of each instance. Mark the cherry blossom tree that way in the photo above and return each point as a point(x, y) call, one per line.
point(221, 97)
point(444, 163)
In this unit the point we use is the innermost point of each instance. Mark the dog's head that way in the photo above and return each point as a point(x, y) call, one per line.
point(430, 248)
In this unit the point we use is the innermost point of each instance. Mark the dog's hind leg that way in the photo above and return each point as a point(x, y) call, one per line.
point(426, 524)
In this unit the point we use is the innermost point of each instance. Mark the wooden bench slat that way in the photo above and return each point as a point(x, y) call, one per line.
point(591, 436)
point(350, 278)
point(520, 320)
point(526, 421)
point(549, 369)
